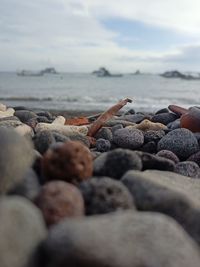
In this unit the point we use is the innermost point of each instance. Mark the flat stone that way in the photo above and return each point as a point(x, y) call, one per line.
point(170, 193)
point(121, 239)
point(128, 138)
point(164, 118)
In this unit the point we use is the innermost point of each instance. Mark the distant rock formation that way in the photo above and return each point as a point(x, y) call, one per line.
point(178, 74)
point(103, 72)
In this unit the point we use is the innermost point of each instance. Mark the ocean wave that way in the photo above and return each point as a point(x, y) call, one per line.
point(25, 99)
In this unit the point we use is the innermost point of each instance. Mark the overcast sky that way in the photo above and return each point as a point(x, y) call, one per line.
point(82, 35)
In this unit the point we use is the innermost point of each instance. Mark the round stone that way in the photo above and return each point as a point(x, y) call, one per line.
point(104, 195)
point(188, 168)
point(70, 161)
point(58, 200)
point(128, 138)
point(181, 142)
point(168, 155)
point(103, 145)
point(42, 140)
point(104, 133)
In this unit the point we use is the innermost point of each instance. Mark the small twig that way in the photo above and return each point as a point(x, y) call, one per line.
point(105, 116)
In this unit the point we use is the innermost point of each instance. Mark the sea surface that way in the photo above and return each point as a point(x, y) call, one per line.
point(75, 91)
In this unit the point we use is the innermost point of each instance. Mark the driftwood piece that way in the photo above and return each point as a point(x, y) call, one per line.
point(178, 110)
point(108, 114)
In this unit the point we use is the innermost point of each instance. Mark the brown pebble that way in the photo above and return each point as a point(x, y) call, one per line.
point(71, 162)
point(57, 200)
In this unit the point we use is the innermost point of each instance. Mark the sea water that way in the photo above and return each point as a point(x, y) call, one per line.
point(76, 91)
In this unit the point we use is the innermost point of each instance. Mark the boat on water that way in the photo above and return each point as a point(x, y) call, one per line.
point(37, 73)
point(103, 72)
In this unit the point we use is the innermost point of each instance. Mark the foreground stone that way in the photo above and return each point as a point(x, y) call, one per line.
point(170, 193)
point(21, 230)
point(124, 239)
point(15, 158)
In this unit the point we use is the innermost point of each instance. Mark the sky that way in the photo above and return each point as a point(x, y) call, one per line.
point(83, 35)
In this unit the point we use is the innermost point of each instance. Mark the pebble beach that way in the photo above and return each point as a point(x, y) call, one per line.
point(101, 188)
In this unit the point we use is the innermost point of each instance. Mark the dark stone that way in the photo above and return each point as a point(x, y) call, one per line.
point(188, 168)
point(43, 119)
point(42, 140)
point(60, 137)
point(12, 118)
point(150, 147)
point(25, 115)
point(195, 158)
point(45, 114)
point(169, 193)
point(174, 124)
point(22, 230)
point(15, 158)
point(136, 118)
point(130, 111)
point(113, 122)
point(164, 118)
point(152, 135)
point(120, 239)
point(197, 135)
point(81, 138)
point(103, 145)
point(128, 138)
point(163, 110)
point(116, 127)
point(116, 162)
point(181, 142)
point(168, 155)
point(103, 195)
point(150, 161)
point(104, 133)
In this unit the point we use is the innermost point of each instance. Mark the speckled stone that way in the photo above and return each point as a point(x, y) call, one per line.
point(42, 141)
point(195, 158)
point(128, 138)
point(71, 162)
point(103, 145)
point(181, 142)
point(188, 168)
point(81, 138)
point(150, 147)
point(152, 135)
point(114, 122)
point(164, 118)
point(116, 162)
point(104, 133)
point(116, 127)
point(58, 200)
point(46, 114)
point(15, 158)
point(174, 124)
point(60, 137)
point(25, 115)
point(43, 119)
point(103, 195)
point(168, 155)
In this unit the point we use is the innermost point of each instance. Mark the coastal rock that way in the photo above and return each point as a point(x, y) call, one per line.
point(43, 119)
point(163, 110)
point(116, 127)
point(22, 229)
point(116, 162)
point(15, 158)
point(147, 125)
point(169, 193)
point(103, 195)
point(18, 126)
point(121, 239)
point(2, 107)
point(58, 200)
point(114, 122)
point(168, 155)
point(150, 161)
point(164, 118)
point(103, 145)
point(7, 113)
point(188, 168)
point(174, 124)
point(128, 138)
point(43, 140)
point(135, 118)
point(153, 135)
point(181, 142)
point(60, 137)
point(195, 158)
point(59, 120)
point(46, 114)
point(25, 115)
point(150, 147)
point(104, 133)
point(70, 161)
point(29, 187)
point(13, 118)
point(81, 138)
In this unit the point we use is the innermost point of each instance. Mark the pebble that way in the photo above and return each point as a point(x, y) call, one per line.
point(42, 140)
point(150, 147)
point(103, 195)
point(188, 168)
point(153, 135)
point(164, 118)
point(195, 158)
point(25, 115)
point(104, 133)
point(58, 200)
point(70, 161)
point(15, 158)
point(103, 145)
point(128, 138)
point(168, 155)
point(181, 142)
point(116, 162)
